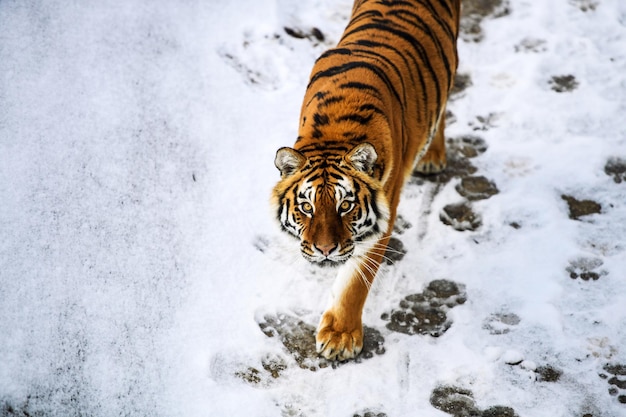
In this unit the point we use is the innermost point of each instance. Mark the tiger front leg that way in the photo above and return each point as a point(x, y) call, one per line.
point(340, 332)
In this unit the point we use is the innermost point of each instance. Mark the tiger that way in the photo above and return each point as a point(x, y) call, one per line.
point(373, 112)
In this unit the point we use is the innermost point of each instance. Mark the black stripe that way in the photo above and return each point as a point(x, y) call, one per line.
point(334, 51)
point(361, 86)
point(321, 94)
point(354, 117)
point(359, 139)
point(371, 52)
point(314, 177)
point(427, 30)
point(364, 15)
point(417, 47)
point(340, 69)
point(330, 100)
point(413, 69)
point(330, 145)
point(320, 119)
point(371, 107)
point(446, 5)
point(439, 19)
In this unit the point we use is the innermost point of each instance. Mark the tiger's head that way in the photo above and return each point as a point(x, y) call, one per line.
point(331, 202)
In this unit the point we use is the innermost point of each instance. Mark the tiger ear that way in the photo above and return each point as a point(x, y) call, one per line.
point(363, 157)
point(288, 161)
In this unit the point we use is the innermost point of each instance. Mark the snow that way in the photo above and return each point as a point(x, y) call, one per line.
point(136, 160)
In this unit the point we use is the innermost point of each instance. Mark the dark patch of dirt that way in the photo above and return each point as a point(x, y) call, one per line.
point(616, 168)
point(461, 217)
point(531, 45)
point(548, 374)
point(298, 338)
point(425, 313)
point(474, 11)
point(500, 323)
point(616, 380)
point(369, 413)
point(586, 269)
point(585, 5)
point(270, 370)
point(462, 81)
point(401, 225)
point(454, 400)
point(563, 83)
point(499, 411)
point(476, 188)
point(484, 123)
point(313, 34)
point(468, 146)
point(579, 208)
point(251, 375)
point(395, 251)
point(23, 410)
point(459, 402)
point(458, 166)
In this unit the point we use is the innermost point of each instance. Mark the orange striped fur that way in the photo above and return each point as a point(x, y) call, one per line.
point(372, 113)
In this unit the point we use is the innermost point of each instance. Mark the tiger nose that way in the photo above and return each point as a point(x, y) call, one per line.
point(326, 249)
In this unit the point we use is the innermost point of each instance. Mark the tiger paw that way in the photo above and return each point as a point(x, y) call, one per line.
point(337, 338)
point(430, 166)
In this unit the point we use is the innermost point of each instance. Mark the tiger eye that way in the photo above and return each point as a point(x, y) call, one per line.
point(345, 206)
point(306, 208)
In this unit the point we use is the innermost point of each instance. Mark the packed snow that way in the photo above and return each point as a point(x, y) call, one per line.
point(140, 262)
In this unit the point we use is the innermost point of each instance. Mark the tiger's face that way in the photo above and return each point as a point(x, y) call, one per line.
point(331, 203)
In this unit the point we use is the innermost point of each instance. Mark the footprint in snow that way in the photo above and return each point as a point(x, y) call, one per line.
point(425, 312)
point(616, 168)
point(461, 216)
point(459, 402)
point(370, 413)
point(615, 376)
point(563, 83)
point(474, 11)
point(501, 323)
point(586, 269)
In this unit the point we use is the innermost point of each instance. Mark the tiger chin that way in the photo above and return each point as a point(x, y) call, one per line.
point(371, 115)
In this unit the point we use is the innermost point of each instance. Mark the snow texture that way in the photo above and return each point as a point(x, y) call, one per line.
point(142, 273)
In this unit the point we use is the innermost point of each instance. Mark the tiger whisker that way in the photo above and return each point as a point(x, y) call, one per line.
point(386, 248)
point(385, 257)
point(355, 263)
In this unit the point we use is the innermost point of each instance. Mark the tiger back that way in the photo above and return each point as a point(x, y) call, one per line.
point(373, 112)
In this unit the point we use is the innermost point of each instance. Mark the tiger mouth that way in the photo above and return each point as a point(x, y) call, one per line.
point(327, 262)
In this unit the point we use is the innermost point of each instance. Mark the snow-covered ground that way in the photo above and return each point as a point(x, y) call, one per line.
point(138, 255)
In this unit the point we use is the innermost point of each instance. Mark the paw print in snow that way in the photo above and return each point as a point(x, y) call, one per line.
point(501, 323)
point(586, 269)
point(616, 379)
point(425, 313)
point(459, 402)
point(616, 168)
